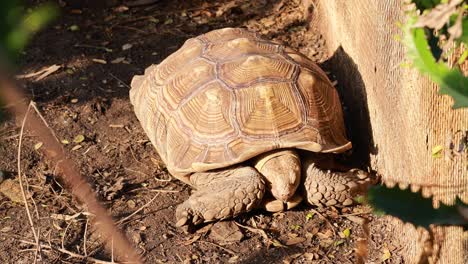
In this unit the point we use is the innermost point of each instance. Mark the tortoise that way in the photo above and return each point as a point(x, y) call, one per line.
point(244, 121)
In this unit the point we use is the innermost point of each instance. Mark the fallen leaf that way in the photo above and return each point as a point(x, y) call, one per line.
point(233, 259)
point(79, 139)
point(121, 9)
point(74, 101)
point(386, 254)
point(309, 216)
point(226, 232)
point(65, 142)
point(76, 147)
point(346, 232)
point(437, 151)
point(118, 60)
point(338, 242)
point(99, 61)
point(42, 73)
point(153, 20)
point(38, 145)
point(168, 21)
point(131, 204)
point(295, 227)
point(6, 229)
point(74, 28)
point(127, 46)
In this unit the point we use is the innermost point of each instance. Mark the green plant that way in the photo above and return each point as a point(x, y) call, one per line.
point(18, 25)
point(413, 207)
point(431, 29)
point(426, 36)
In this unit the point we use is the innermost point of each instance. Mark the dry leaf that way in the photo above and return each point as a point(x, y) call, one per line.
point(42, 73)
point(226, 232)
point(386, 254)
point(76, 147)
point(74, 101)
point(38, 145)
point(79, 139)
point(127, 46)
point(99, 61)
point(457, 29)
point(74, 28)
point(118, 60)
point(121, 9)
point(437, 151)
point(438, 16)
point(346, 233)
point(65, 142)
point(6, 229)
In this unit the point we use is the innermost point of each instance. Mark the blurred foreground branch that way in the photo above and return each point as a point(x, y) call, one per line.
point(68, 172)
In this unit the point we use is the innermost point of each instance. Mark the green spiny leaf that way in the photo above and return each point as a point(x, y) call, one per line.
point(451, 81)
point(414, 208)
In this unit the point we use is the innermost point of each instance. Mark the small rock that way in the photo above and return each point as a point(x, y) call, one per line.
point(11, 189)
point(226, 232)
point(356, 219)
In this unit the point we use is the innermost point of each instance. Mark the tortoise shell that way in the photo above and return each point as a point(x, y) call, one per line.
point(229, 95)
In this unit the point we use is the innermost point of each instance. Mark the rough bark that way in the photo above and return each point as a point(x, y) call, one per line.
point(395, 116)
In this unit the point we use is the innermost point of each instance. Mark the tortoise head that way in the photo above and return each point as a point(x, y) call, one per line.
point(282, 170)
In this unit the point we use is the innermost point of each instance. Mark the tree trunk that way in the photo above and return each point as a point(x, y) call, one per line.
point(395, 116)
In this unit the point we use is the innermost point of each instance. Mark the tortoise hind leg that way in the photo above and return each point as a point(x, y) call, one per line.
point(221, 194)
point(330, 188)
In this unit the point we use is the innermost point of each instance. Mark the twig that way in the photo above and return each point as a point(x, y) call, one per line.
point(84, 237)
point(25, 200)
point(326, 220)
point(122, 82)
point(38, 248)
point(71, 254)
point(153, 190)
point(65, 234)
point(138, 210)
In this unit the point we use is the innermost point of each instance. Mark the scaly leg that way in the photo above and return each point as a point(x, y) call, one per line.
point(221, 194)
point(328, 188)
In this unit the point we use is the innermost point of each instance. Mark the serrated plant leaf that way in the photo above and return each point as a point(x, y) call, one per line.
point(414, 208)
point(451, 81)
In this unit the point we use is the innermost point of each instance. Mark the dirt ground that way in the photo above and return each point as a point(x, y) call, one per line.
point(86, 103)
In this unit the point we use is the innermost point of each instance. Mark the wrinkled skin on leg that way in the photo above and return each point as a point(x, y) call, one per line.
point(221, 194)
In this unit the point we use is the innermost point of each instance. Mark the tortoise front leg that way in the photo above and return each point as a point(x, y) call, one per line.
point(220, 195)
point(330, 188)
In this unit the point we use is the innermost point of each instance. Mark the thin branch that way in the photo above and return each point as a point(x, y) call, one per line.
point(138, 210)
point(67, 170)
point(20, 177)
point(71, 254)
